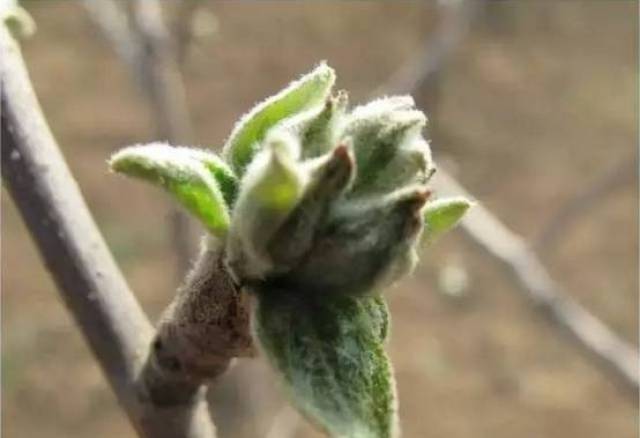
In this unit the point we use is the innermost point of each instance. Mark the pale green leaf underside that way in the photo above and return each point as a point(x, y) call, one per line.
point(310, 90)
point(442, 215)
point(329, 352)
point(195, 178)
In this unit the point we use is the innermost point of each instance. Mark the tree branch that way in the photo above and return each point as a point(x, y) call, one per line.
point(49, 201)
point(492, 236)
point(144, 44)
point(482, 227)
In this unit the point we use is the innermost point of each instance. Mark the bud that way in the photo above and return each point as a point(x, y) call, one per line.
point(443, 214)
point(380, 133)
point(327, 180)
point(269, 192)
point(249, 133)
point(361, 244)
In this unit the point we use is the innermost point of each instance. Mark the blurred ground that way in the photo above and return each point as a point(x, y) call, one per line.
point(539, 101)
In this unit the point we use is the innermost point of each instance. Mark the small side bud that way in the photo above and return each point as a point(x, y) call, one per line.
point(442, 215)
point(17, 19)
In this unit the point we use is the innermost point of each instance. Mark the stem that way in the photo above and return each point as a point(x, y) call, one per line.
point(88, 280)
point(205, 326)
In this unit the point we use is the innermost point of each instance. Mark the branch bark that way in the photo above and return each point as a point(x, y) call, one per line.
point(49, 201)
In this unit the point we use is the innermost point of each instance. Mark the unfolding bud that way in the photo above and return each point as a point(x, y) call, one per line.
point(321, 133)
point(327, 180)
point(269, 192)
point(330, 209)
point(250, 131)
point(360, 243)
point(380, 133)
point(411, 164)
point(317, 128)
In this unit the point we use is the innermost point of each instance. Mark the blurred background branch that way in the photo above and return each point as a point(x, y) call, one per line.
point(591, 196)
point(142, 40)
point(483, 227)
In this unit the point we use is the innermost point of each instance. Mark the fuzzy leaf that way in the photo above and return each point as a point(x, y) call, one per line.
point(383, 133)
point(17, 19)
point(363, 246)
point(328, 350)
point(328, 178)
point(270, 191)
point(442, 215)
point(194, 177)
point(308, 91)
point(318, 128)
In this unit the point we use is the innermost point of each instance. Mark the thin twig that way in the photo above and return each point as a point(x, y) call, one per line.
point(453, 26)
point(482, 227)
point(144, 44)
point(592, 195)
point(49, 201)
point(493, 237)
point(183, 28)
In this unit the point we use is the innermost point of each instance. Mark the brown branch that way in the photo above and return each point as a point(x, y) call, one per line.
point(482, 227)
point(49, 201)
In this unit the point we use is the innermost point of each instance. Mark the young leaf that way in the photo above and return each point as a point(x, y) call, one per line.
point(17, 19)
point(328, 350)
point(191, 176)
point(379, 135)
point(443, 214)
point(363, 246)
point(220, 171)
point(310, 90)
point(328, 178)
point(270, 191)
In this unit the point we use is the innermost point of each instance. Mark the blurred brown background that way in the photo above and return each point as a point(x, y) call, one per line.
point(537, 102)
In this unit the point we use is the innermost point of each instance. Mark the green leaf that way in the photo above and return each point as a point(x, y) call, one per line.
point(195, 178)
point(326, 180)
point(329, 352)
point(442, 215)
point(310, 90)
point(364, 245)
point(17, 19)
point(270, 191)
point(387, 143)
